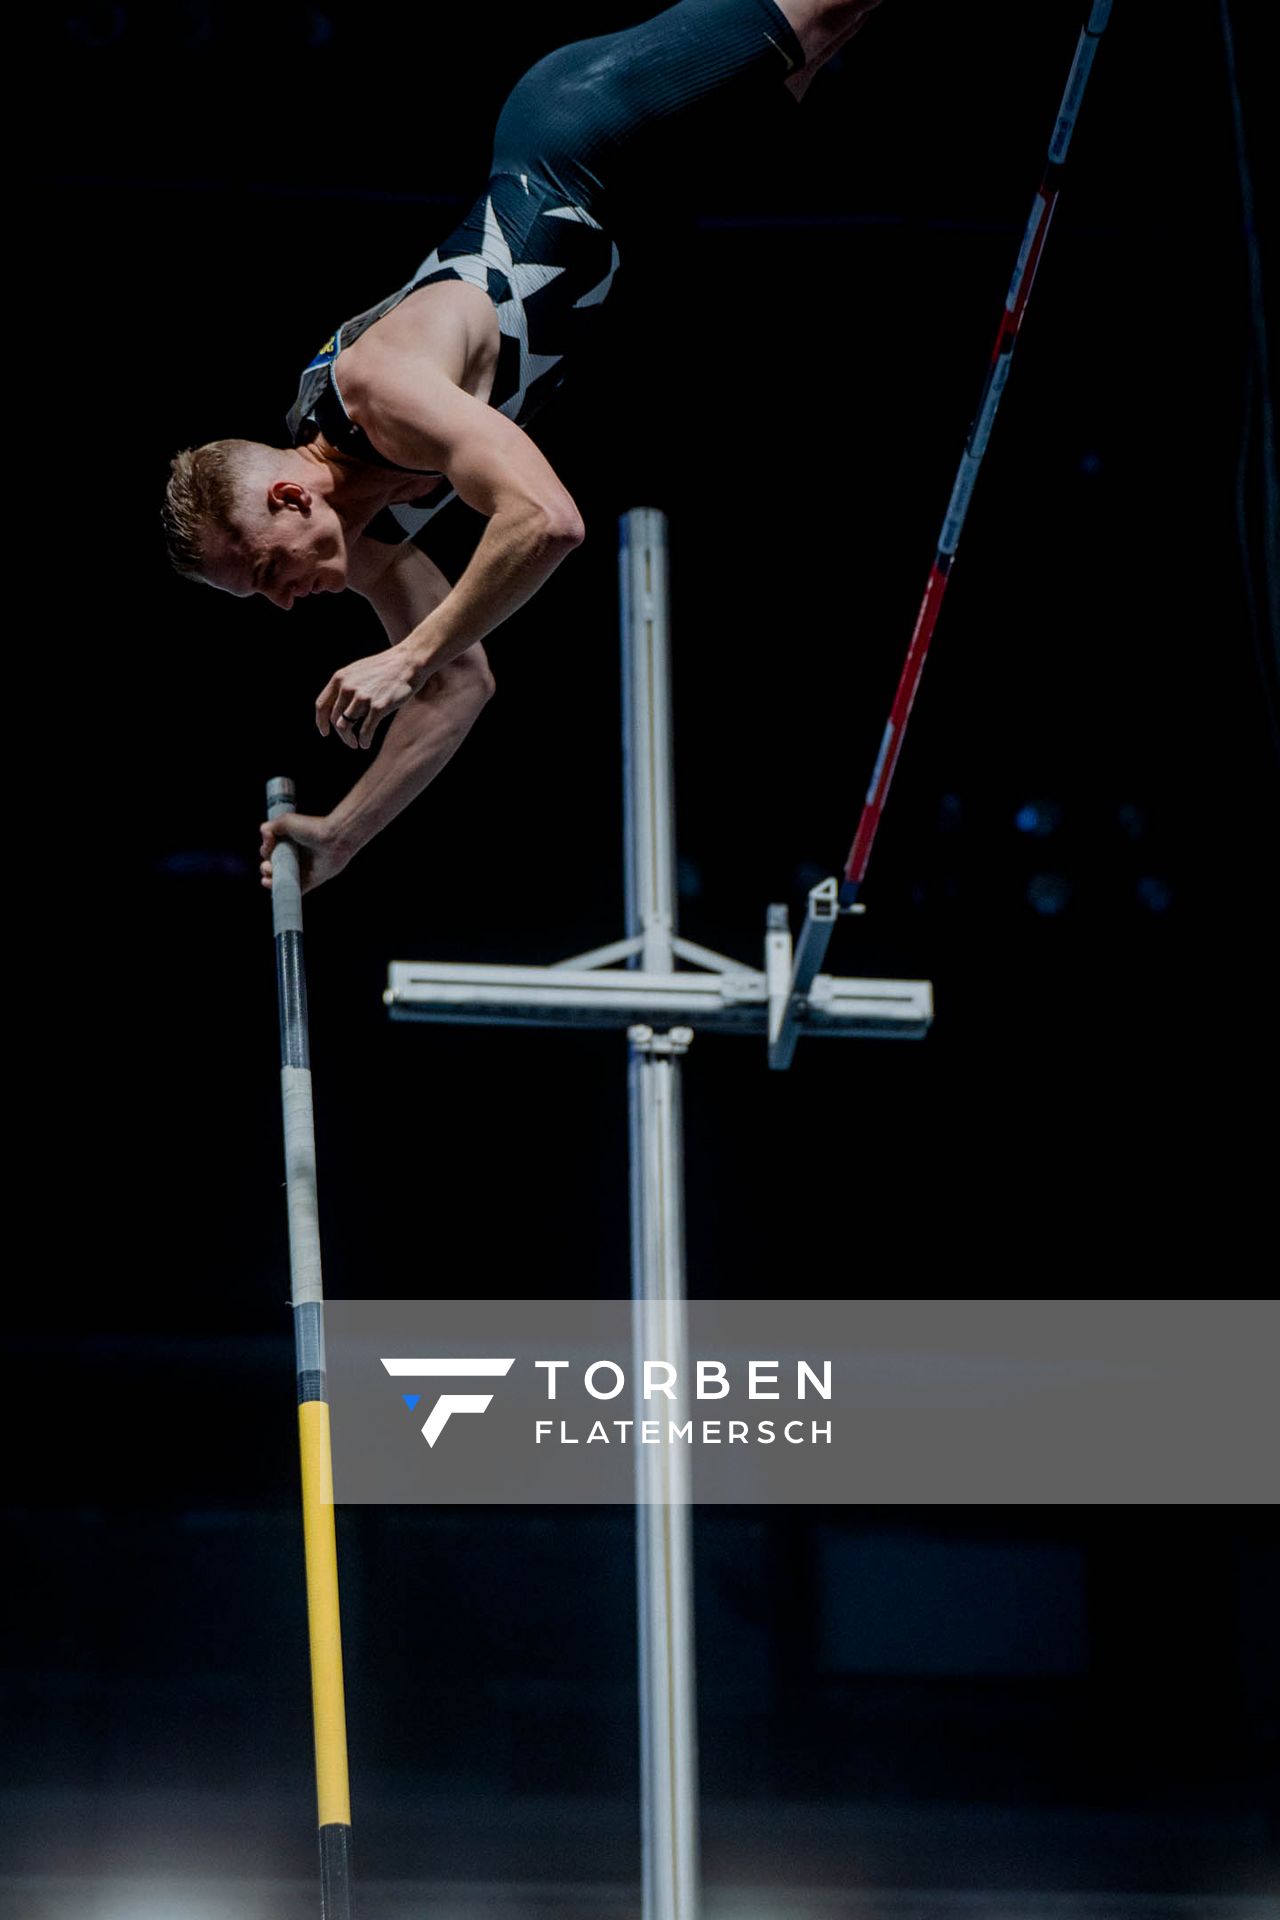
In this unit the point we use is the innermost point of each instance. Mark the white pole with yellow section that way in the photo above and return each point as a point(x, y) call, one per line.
point(324, 1627)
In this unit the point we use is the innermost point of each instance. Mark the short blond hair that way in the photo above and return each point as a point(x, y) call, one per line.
point(201, 495)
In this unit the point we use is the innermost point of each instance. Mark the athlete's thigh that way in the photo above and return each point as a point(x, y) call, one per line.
point(590, 114)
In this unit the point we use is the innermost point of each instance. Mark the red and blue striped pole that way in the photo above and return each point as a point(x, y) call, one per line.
point(1015, 306)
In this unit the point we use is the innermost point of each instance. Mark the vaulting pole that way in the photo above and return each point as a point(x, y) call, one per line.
point(328, 1709)
point(664, 1573)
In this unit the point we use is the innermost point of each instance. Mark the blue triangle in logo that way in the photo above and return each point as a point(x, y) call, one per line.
point(411, 1400)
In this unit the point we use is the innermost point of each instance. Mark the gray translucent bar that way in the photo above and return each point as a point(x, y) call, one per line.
point(926, 1401)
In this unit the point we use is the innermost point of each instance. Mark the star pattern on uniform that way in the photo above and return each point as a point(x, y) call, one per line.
point(523, 278)
point(492, 268)
point(599, 292)
point(414, 519)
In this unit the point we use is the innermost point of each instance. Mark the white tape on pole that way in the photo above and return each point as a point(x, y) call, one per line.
point(300, 1184)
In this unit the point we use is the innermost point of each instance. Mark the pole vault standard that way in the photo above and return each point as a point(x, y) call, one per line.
point(328, 1709)
point(636, 985)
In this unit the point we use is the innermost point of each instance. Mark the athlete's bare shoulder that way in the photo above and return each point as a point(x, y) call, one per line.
point(451, 324)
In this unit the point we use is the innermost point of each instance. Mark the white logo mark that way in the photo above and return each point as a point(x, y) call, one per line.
point(449, 1403)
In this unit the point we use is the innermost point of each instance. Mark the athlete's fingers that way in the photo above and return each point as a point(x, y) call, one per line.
point(324, 704)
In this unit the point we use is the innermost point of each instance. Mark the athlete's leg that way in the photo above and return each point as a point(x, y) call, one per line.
point(604, 118)
point(822, 27)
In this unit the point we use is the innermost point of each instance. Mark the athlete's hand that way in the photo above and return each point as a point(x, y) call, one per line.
point(320, 856)
point(359, 698)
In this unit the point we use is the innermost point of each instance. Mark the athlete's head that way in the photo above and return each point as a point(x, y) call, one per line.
point(254, 519)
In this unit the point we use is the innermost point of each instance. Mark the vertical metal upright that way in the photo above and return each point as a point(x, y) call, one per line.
point(664, 1572)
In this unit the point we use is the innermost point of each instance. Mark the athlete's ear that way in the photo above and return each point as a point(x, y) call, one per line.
point(286, 494)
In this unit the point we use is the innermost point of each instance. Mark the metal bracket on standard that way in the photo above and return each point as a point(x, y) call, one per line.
point(796, 984)
point(673, 1043)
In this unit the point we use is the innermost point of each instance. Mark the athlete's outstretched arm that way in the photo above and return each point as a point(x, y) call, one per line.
point(420, 419)
point(422, 738)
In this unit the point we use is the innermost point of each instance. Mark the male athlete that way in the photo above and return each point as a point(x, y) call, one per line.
point(422, 399)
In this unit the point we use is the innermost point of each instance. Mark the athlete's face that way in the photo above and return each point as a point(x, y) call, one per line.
point(287, 543)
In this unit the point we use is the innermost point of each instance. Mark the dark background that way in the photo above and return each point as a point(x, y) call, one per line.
point(790, 372)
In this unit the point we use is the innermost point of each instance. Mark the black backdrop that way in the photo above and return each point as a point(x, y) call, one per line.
point(790, 373)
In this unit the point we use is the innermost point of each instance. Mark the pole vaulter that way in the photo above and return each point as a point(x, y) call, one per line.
point(333, 1800)
point(826, 902)
point(788, 996)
